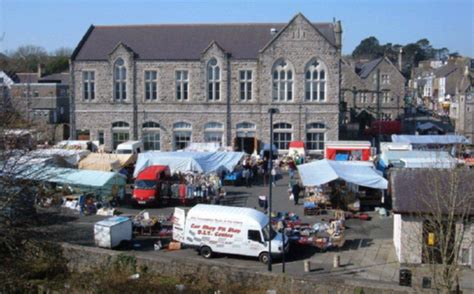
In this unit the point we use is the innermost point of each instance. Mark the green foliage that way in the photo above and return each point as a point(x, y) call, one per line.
point(370, 48)
point(27, 58)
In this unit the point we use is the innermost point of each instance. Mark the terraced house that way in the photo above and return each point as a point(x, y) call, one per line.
point(170, 85)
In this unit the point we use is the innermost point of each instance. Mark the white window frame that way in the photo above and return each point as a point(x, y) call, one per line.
point(120, 80)
point(246, 85)
point(282, 82)
point(280, 132)
point(182, 129)
point(315, 81)
point(88, 83)
point(213, 80)
point(119, 128)
point(315, 128)
point(151, 128)
point(182, 85)
point(213, 132)
point(385, 79)
point(150, 81)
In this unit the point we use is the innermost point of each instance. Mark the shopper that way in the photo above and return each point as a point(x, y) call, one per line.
point(295, 190)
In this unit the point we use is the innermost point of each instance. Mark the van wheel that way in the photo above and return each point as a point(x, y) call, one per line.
point(206, 252)
point(264, 257)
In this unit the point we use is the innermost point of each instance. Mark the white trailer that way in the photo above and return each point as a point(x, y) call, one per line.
point(229, 230)
point(110, 232)
point(130, 147)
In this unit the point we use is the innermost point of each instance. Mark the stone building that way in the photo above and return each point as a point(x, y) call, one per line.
point(462, 104)
point(363, 76)
point(170, 85)
point(43, 101)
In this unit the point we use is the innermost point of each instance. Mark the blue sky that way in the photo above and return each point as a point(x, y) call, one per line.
point(62, 23)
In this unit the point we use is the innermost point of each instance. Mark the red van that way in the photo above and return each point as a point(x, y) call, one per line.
point(153, 185)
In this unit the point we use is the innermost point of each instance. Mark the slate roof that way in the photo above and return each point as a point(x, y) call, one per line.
point(445, 70)
point(182, 41)
point(413, 189)
point(366, 68)
point(61, 78)
point(26, 77)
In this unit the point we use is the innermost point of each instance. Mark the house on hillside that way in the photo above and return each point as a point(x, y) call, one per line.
point(359, 86)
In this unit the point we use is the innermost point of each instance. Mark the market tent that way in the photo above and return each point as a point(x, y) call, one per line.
point(323, 171)
point(203, 147)
point(101, 182)
point(106, 161)
point(424, 158)
point(71, 157)
point(430, 139)
point(202, 162)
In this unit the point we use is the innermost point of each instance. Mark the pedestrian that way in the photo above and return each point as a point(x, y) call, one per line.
point(291, 168)
point(246, 173)
point(273, 175)
point(295, 190)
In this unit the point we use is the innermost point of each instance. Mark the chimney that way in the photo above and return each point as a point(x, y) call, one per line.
point(273, 31)
point(400, 53)
point(40, 70)
point(338, 34)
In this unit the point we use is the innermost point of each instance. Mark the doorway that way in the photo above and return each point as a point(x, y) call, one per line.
point(245, 144)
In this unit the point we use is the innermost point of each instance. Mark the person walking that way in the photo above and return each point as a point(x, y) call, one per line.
point(295, 190)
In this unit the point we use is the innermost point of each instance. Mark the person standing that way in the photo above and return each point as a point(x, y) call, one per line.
point(295, 190)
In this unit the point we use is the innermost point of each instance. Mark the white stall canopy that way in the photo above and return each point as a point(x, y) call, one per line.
point(202, 162)
point(430, 139)
point(320, 172)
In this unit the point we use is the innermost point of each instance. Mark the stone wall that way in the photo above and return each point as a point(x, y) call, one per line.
point(299, 44)
point(81, 258)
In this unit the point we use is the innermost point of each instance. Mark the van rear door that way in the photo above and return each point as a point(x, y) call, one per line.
point(179, 220)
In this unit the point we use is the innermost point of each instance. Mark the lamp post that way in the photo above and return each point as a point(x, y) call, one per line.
point(271, 111)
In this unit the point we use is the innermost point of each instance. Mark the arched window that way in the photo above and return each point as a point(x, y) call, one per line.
point(151, 135)
point(182, 132)
point(315, 136)
point(213, 80)
point(213, 132)
point(246, 125)
point(282, 81)
point(151, 124)
point(120, 80)
point(120, 124)
point(282, 134)
point(120, 133)
point(315, 81)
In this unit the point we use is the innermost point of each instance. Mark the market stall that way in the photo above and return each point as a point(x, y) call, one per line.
point(101, 184)
point(340, 184)
point(415, 159)
point(107, 161)
point(199, 162)
point(347, 150)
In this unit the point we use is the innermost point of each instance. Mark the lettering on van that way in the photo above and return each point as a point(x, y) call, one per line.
point(219, 231)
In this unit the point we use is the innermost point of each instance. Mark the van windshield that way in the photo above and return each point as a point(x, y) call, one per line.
point(145, 184)
point(266, 234)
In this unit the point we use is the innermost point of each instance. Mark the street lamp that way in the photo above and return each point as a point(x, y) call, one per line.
point(271, 111)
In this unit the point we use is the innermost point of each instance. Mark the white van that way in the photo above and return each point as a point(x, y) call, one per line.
point(130, 147)
point(225, 229)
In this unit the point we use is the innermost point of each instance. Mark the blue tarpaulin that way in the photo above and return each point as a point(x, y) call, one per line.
point(202, 162)
point(320, 172)
point(96, 180)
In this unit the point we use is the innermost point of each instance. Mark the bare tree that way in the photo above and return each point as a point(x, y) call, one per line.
point(440, 204)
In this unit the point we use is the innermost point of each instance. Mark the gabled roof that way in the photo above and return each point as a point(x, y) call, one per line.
point(367, 68)
point(27, 77)
point(445, 70)
point(416, 191)
point(183, 41)
point(60, 78)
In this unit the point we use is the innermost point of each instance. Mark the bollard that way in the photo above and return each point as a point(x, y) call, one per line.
point(337, 260)
point(307, 266)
